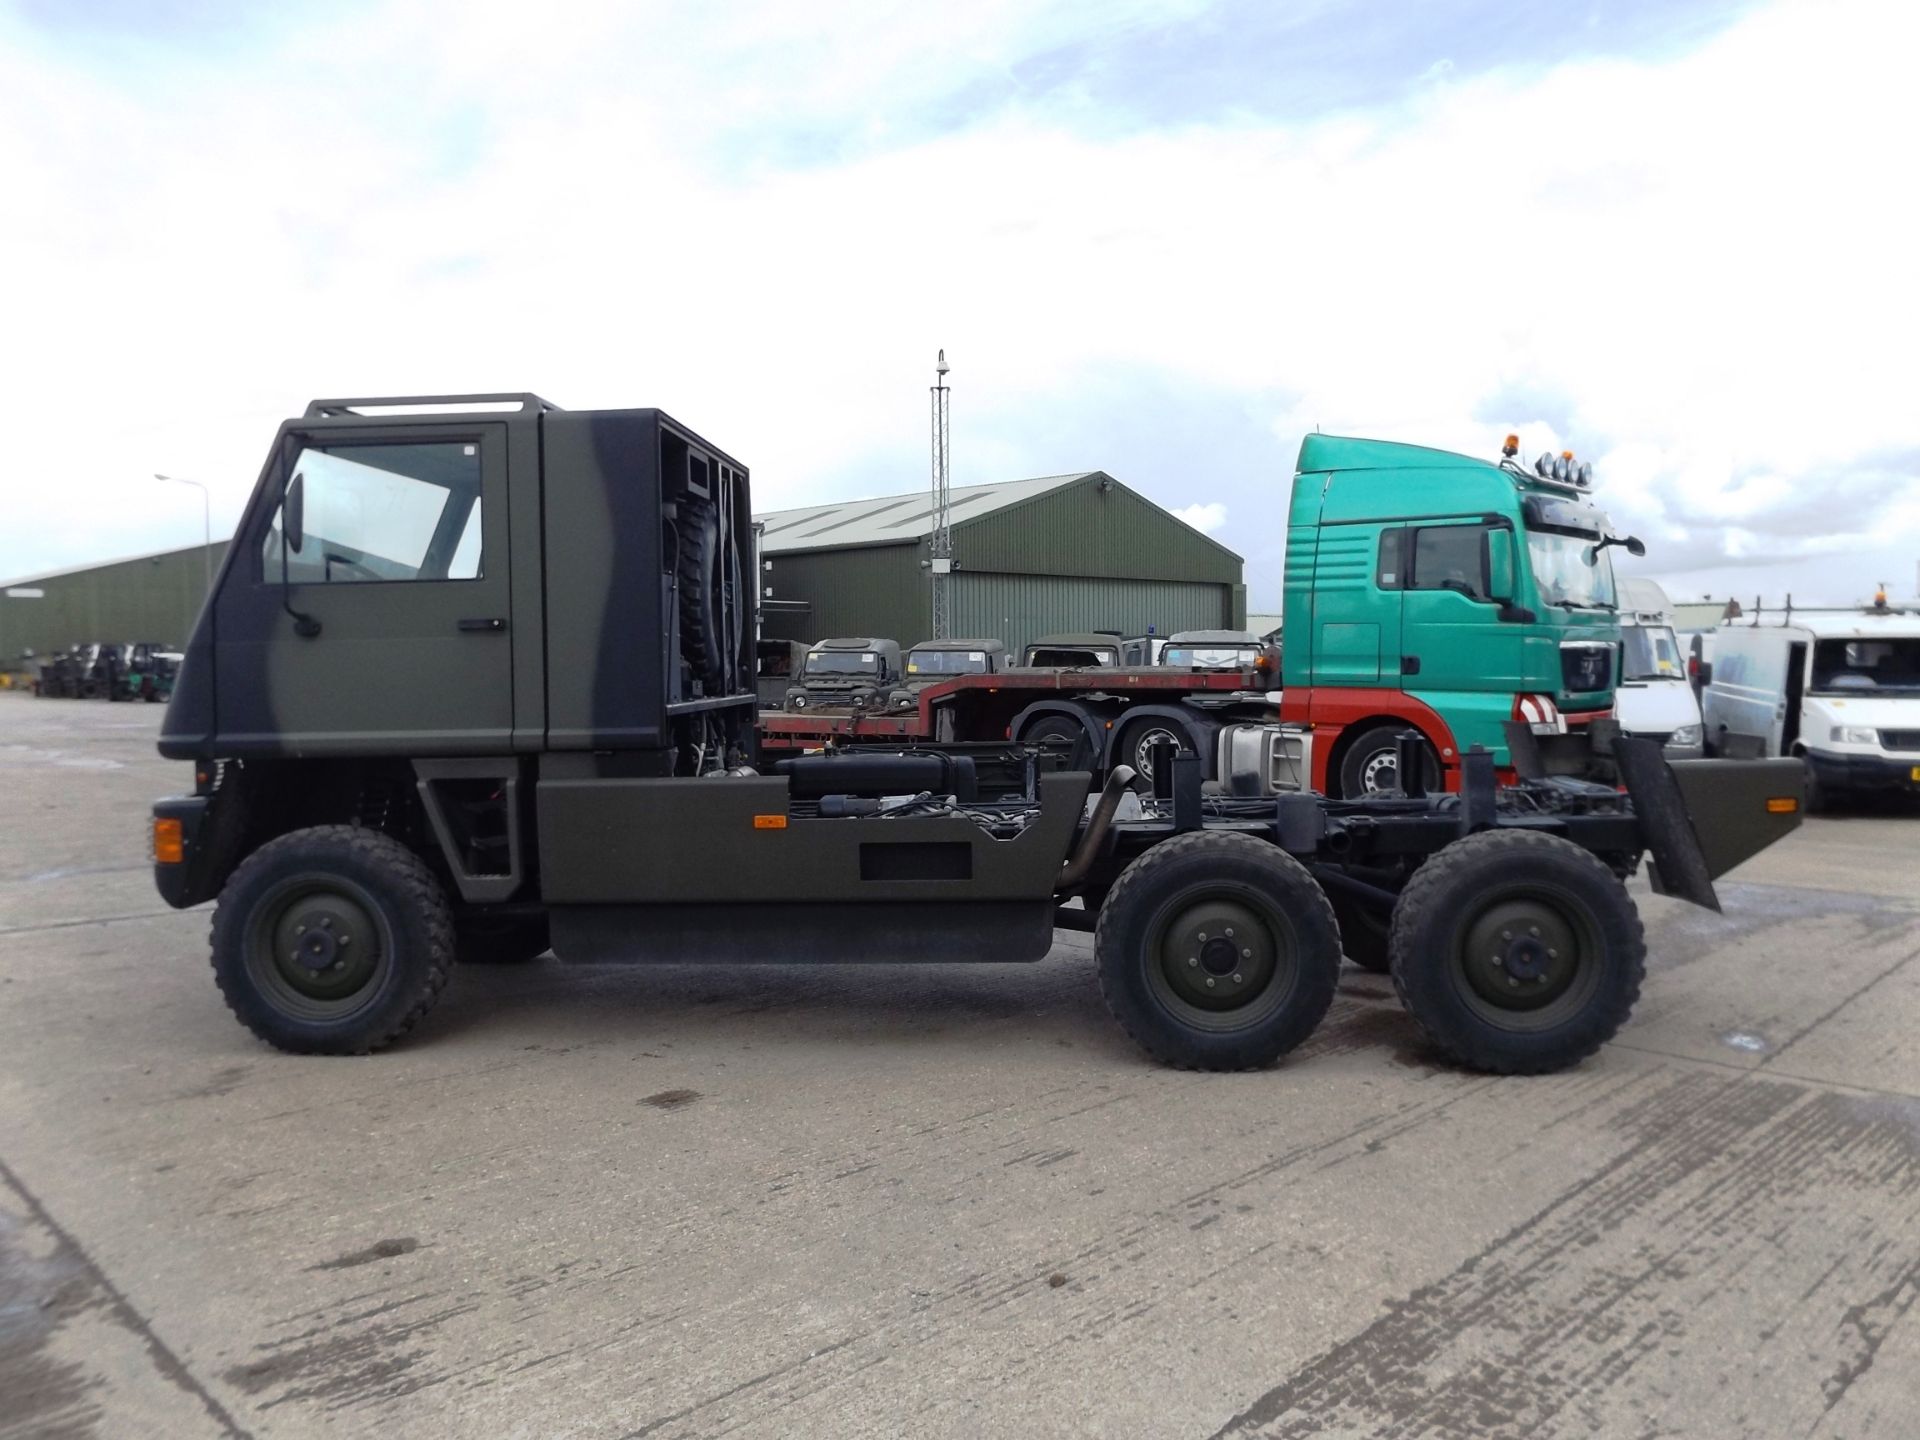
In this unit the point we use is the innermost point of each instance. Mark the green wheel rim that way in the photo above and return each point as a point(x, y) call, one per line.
point(318, 947)
point(1222, 960)
point(1527, 958)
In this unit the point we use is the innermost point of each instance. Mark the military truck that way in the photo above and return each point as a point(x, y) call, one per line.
point(934, 660)
point(476, 678)
point(851, 673)
point(776, 663)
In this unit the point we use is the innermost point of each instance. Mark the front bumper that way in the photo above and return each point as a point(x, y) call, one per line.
point(180, 884)
point(1864, 772)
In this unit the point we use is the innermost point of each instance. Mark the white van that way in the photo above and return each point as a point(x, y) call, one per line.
point(1841, 687)
point(1654, 699)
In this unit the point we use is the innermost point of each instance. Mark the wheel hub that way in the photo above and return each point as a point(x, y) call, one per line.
point(324, 945)
point(1218, 955)
point(1521, 954)
point(1381, 773)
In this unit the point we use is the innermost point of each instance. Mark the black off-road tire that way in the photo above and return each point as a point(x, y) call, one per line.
point(708, 622)
point(512, 940)
point(1361, 752)
point(1150, 964)
point(1481, 917)
point(338, 871)
point(1364, 931)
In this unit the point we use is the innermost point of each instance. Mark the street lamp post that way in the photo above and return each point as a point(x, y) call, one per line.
point(206, 515)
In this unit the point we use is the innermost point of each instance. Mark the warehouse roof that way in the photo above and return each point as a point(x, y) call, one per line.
point(894, 518)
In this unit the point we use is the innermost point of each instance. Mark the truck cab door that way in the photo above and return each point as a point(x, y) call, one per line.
point(1453, 643)
point(390, 632)
point(1355, 607)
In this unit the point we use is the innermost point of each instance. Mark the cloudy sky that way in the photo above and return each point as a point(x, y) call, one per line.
point(1162, 238)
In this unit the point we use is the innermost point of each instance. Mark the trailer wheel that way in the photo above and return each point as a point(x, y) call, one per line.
point(1062, 727)
point(1217, 952)
point(1363, 931)
point(1138, 741)
point(332, 941)
point(1516, 952)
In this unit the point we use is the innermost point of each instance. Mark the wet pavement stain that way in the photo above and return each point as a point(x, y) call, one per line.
point(671, 1099)
point(379, 1250)
point(43, 1395)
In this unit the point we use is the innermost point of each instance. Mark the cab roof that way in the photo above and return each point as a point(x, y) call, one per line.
point(1344, 452)
point(961, 645)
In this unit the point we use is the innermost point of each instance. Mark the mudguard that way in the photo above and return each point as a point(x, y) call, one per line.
point(1700, 818)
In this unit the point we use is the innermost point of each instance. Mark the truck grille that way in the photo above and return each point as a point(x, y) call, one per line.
point(1585, 668)
point(1900, 739)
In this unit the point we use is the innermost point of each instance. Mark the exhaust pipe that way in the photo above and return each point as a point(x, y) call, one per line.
point(1119, 781)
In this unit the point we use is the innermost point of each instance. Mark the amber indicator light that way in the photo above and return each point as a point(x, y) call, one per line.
point(769, 822)
point(169, 844)
point(1782, 805)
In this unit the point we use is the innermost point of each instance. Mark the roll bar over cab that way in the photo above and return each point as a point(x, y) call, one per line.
point(1444, 594)
point(476, 682)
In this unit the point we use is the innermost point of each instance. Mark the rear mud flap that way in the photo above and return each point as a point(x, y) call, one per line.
point(1700, 818)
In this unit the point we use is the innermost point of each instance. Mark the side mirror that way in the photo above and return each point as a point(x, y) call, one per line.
point(1706, 673)
point(293, 510)
point(1634, 547)
point(1500, 565)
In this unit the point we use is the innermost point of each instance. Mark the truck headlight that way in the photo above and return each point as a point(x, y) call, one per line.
point(798, 702)
point(1855, 735)
point(1685, 736)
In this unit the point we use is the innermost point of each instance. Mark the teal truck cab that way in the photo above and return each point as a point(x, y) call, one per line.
point(1444, 594)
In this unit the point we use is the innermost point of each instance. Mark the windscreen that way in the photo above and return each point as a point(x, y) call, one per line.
point(947, 662)
point(843, 662)
point(1570, 572)
point(1867, 667)
point(1650, 652)
point(1210, 657)
point(1049, 656)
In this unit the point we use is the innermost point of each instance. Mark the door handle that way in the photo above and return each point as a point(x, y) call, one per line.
point(1409, 664)
point(484, 623)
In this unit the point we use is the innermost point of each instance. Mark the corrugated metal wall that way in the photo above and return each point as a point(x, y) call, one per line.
point(1082, 557)
point(869, 590)
point(154, 598)
point(1083, 529)
point(1020, 608)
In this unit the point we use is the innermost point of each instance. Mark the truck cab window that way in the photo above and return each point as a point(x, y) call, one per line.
point(384, 512)
point(1448, 557)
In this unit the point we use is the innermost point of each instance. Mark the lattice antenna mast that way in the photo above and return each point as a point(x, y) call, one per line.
point(941, 548)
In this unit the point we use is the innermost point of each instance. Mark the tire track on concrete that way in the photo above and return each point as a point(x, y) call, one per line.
point(1732, 1191)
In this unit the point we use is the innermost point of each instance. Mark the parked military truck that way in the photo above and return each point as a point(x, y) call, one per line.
point(853, 673)
point(473, 681)
point(1442, 594)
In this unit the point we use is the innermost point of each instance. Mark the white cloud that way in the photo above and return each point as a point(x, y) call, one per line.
point(1205, 518)
point(1708, 257)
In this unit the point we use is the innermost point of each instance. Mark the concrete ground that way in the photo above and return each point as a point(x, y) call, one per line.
point(953, 1201)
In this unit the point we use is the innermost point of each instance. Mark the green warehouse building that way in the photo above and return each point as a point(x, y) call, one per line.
point(151, 597)
point(1031, 557)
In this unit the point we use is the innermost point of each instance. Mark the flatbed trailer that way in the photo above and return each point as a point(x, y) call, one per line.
point(537, 731)
point(1106, 716)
